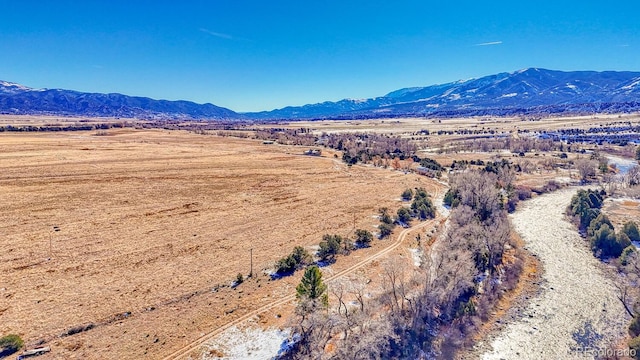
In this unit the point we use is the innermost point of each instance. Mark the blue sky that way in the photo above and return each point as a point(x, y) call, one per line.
point(260, 55)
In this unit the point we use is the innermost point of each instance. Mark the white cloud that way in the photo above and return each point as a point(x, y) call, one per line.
point(489, 43)
point(216, 34)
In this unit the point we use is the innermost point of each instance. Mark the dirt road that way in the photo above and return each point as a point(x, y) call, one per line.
point(576, 313)
point(195, 345)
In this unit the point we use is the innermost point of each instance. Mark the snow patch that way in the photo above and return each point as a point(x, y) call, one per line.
point(416, 255)
point(508, 95)
point(632, 85)
point(251, 343)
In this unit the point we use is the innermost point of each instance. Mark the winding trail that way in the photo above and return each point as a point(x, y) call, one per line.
point(576, 314)
point(196, 344)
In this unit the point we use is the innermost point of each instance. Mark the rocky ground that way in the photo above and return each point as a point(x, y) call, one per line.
point(576, 314)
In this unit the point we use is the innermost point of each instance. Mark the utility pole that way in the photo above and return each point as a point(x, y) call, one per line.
point(251, 256)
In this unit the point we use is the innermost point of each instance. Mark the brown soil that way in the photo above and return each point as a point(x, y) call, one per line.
point(136, 237)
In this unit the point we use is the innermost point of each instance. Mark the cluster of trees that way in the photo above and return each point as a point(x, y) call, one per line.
point(607, 243)
point(426, 312)
point(387, 223)
point(604, 241)
point(628, 284)
point(366, 147)
point(422, 207)
point(54, 128)
point(298, 259)
point(332, 245)
point(585, 206)
point(329, 248)
point(300, 136)
point(521, 145)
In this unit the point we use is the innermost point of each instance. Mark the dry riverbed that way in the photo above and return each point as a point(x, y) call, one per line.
point(576, 313)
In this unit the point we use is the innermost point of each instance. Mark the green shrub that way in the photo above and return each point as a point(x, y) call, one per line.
point(363, 237)
point(631, 229)
point(329, 247)
point(585, 205)
point(605, 241)
point(385, 230)
point(404, 215)
point(597, 223)
point(452, 198)
point(384, 216)
point(407, 195)
point(297, 259)
point(10, 344)
point(626, 253)
point(422, 207)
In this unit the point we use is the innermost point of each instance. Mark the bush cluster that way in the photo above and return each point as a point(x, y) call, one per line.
point(298, 258)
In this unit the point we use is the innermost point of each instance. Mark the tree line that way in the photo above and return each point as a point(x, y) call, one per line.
point(428, 311)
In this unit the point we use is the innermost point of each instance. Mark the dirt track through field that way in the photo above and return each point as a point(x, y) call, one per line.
point(576, 313)
point(195, 345)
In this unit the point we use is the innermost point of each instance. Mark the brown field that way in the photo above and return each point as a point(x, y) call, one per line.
point(140, 232)
point(500, 124)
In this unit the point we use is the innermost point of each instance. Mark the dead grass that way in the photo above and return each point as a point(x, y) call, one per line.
point(141, 232)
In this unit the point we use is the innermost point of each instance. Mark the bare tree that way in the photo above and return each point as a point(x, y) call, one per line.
point(633, 175)
point(586, 168)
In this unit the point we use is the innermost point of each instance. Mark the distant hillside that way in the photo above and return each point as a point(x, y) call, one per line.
point(18, 99)
point(527, 91)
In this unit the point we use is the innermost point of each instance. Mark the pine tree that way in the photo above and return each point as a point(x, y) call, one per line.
point(311, 286)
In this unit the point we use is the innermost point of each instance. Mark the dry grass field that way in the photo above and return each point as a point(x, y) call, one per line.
point(140, 232)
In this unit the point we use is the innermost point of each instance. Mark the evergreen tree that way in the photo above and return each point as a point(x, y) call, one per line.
point(311, 286)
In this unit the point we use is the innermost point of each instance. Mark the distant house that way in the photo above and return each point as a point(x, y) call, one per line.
point(421, 170)
point(313, 152)
point(268, 142)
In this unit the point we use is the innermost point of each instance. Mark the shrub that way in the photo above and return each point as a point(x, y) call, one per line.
point(363, 237)
point(631, 229)
point(384, 216)
point(298, 258)
point(329, 247)
point(452, 198)
point(385, 230)
point(523, 193)
point(626, 254)
point(585, 205)
point(597, 223)
point(422, 207)
point(605, 241)
point(407, 195)
point(239, 279)
point(638, 153)
point(404, 215)
point(10, 344)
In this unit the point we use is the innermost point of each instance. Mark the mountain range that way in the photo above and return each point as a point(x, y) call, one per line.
point(527, 91)
point(19, 99)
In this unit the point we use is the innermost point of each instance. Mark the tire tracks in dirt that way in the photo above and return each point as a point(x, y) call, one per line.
point(196, 344)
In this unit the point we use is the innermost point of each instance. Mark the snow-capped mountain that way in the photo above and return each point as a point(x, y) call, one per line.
point(526, 91)
point(19, 99)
